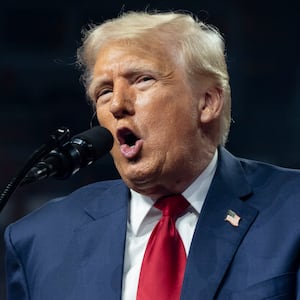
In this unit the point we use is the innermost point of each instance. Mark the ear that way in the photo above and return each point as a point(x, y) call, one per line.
point(210, 104)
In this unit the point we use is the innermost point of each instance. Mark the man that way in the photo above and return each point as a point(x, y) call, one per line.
point(159, 83)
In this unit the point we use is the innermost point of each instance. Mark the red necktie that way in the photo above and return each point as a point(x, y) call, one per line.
point(164, 260)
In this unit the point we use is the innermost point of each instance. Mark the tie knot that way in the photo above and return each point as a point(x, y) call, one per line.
point(172, 206)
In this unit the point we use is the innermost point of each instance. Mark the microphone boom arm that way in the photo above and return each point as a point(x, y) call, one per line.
point(59, 137)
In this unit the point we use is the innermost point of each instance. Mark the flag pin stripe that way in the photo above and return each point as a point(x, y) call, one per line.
point(232, 218)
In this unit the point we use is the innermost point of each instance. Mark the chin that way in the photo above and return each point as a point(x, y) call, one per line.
point(139, 178)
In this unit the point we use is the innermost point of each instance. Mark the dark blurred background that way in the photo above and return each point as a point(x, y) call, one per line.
point(40, 88)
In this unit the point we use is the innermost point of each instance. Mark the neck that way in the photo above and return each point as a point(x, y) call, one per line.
point(177, 183)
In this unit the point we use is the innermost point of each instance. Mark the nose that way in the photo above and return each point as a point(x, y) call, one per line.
point(122, 103)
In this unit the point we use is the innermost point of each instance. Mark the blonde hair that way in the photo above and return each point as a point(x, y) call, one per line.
point(198, 45)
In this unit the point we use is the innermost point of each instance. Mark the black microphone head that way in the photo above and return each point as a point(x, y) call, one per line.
point(99, 139)
point(82, 150)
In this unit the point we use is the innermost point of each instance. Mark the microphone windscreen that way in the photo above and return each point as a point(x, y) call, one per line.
point(100, 139)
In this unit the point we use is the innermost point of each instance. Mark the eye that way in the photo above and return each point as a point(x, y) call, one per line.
point(103, 95)
point(145, 78)
point(145, 81)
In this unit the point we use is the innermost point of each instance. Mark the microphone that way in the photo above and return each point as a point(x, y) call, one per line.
point(80, 151)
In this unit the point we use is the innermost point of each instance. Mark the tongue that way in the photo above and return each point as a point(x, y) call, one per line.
point(131, 151)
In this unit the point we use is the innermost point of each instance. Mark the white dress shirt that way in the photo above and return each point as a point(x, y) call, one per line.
point(143, 217)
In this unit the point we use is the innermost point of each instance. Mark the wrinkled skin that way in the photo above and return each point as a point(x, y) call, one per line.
point(146, 92)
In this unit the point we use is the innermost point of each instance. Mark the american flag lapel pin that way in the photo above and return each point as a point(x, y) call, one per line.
point(232, 218)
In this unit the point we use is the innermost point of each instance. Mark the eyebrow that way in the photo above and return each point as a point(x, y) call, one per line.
point(130, 71)
point(134, 69)
point(96, 82)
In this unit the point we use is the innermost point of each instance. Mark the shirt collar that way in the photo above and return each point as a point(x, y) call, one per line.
point(197, 191)
point(140, 205)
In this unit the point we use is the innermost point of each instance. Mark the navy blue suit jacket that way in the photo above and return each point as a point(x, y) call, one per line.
point(72, 249)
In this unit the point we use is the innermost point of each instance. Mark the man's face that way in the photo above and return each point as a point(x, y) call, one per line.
point(143, 98)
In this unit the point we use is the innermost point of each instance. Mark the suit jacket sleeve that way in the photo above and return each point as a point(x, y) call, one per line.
point(16, 277)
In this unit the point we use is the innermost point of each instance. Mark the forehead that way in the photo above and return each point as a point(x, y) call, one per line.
point(121, 55)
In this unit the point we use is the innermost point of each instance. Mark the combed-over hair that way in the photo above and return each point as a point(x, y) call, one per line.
point(200, 46)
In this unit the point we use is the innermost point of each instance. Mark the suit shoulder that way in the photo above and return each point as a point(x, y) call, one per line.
point(273, 183)
point(66, 210)
point(258, 174)
point(267, 171)
point(94, 189)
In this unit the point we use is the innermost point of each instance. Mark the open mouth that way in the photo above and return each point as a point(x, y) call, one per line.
point(130, 144)
point(126, 136)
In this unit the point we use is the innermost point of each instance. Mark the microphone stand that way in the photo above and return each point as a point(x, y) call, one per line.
point(59, 137)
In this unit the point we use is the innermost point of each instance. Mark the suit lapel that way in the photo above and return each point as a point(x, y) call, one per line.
point(99, 246)
point(215, 240)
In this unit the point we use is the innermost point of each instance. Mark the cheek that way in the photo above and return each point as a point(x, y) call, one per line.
point(104, 116)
